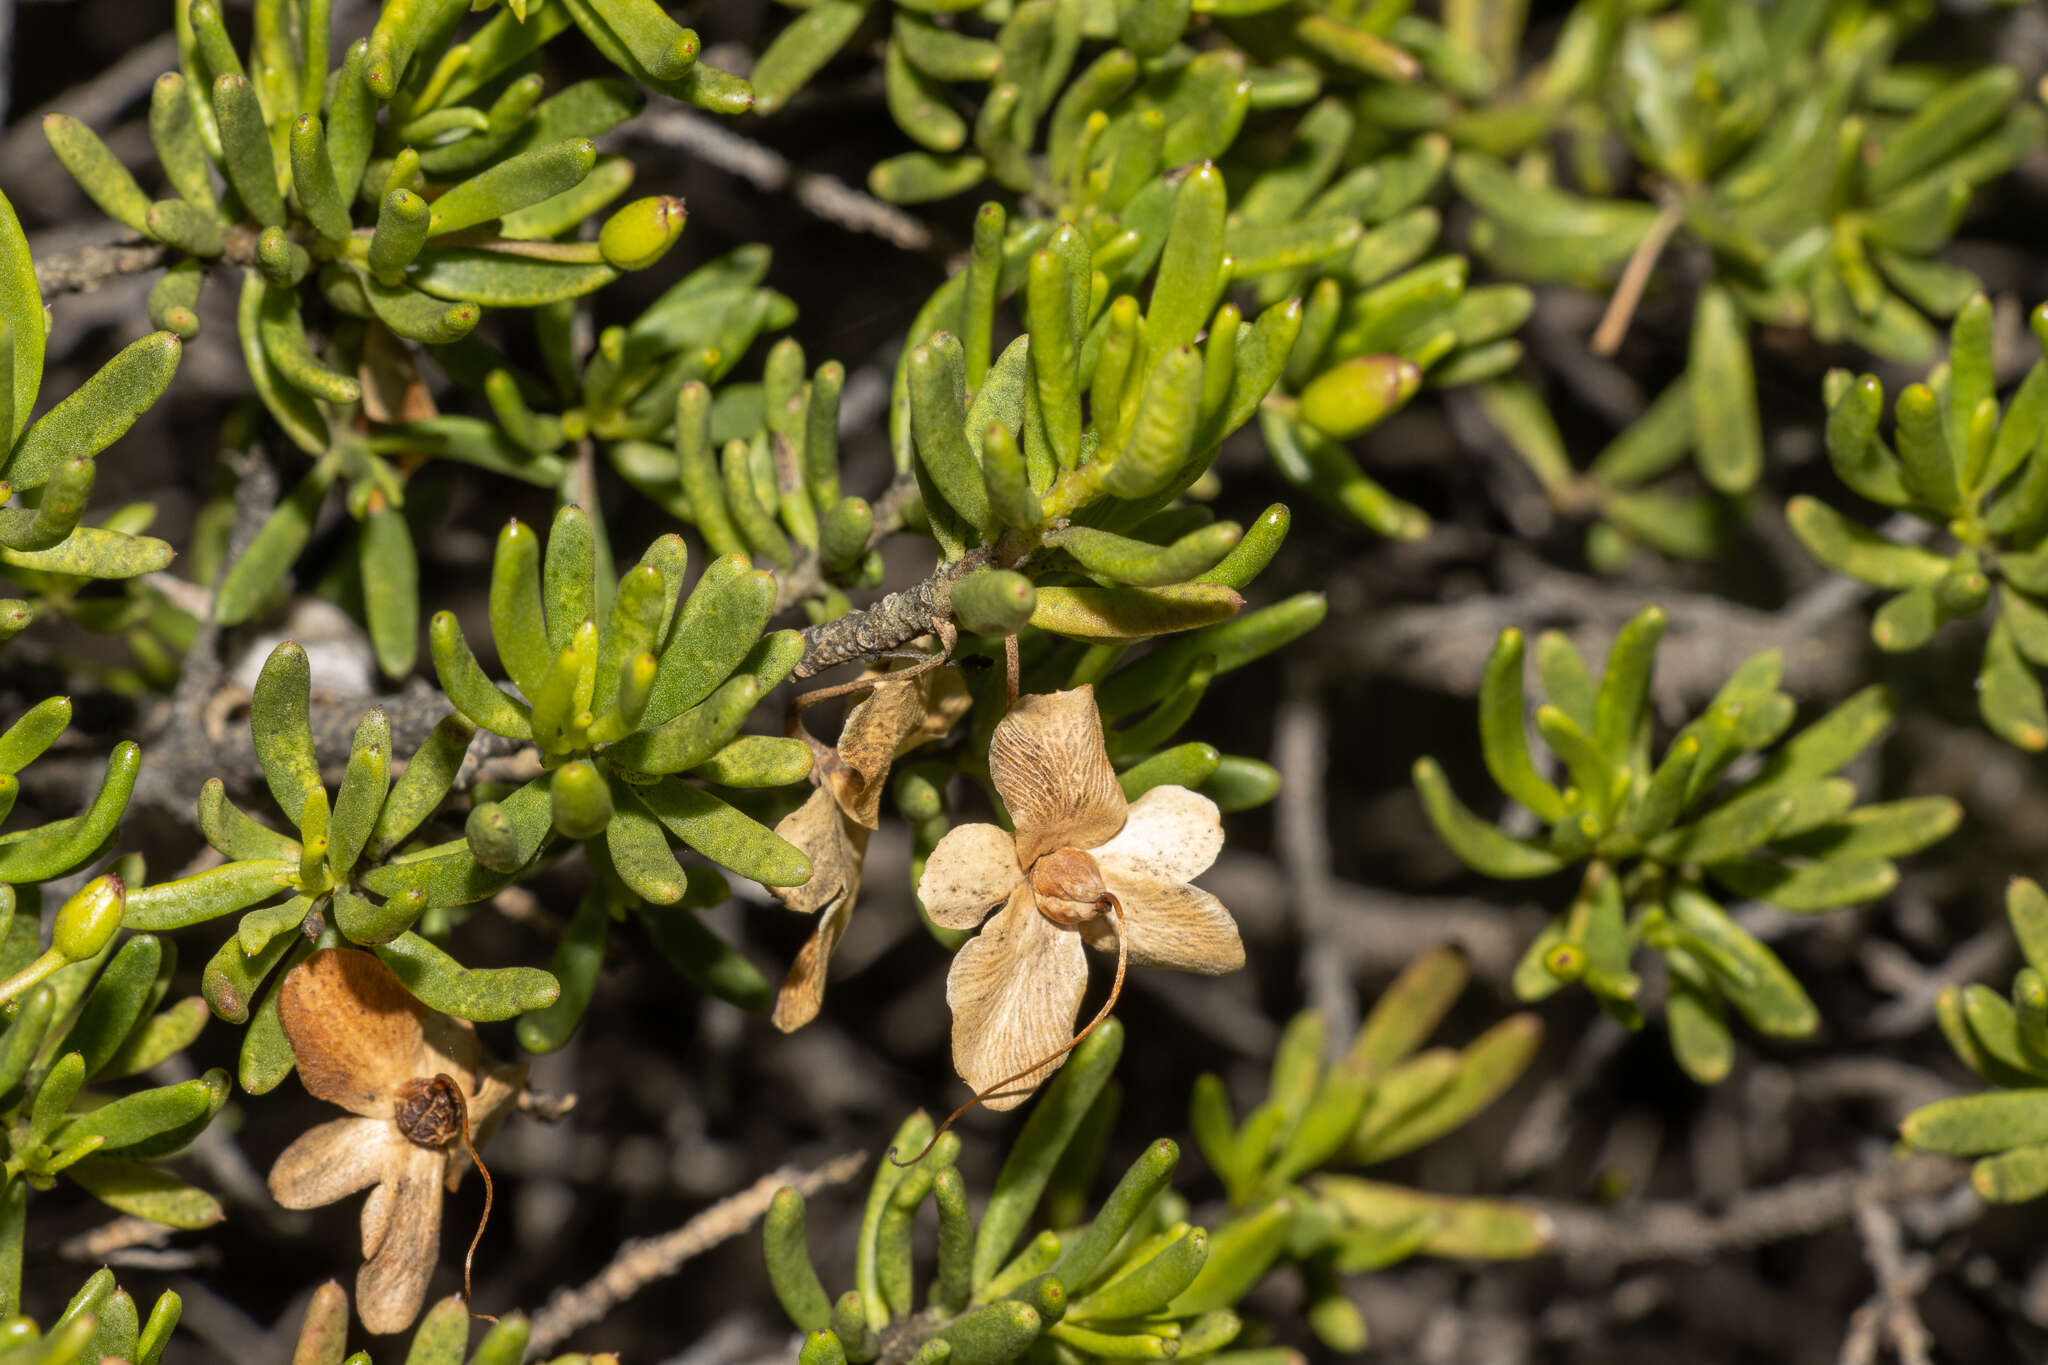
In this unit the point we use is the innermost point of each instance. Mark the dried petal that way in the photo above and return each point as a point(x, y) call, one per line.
point(392, 1285)
point(1171, 830)
point(972, 870)
point(335, 1160)
point(1015, 992)
point(356, 1032)
point(803, 991)
point(1170, 923)
point(836, 848)
point(1048, 760)
point(891, 721)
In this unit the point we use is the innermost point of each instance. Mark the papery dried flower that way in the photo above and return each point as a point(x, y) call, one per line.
point(832, 826)
point(423, 1095)
point(1082, 864)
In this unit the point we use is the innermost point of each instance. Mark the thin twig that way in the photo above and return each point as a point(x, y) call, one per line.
point(1679, 1230)
point(86, 268)
point(111, 1238)
point(641, 1262)
point(1300, 744)
point(1635, 277)
point(1890, 1312)
point(891, 623)
point(770, 172)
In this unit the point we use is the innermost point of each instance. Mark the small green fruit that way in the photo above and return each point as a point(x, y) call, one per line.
point(90, 918)
point(641, 233)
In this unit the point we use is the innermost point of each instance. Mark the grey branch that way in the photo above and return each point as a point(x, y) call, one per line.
point(1676, 1230)
point(889, 624)
point(641, 1262)
point(88, 267)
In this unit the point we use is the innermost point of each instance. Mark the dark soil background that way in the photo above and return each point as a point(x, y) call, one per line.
point(1753, 1222)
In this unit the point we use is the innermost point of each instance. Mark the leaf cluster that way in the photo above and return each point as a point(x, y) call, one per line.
point(74, 1020)
point(2004, 1039)
point(1137, 1279)
point(101, 1322)
point(1974, 472)
point(1662, 840)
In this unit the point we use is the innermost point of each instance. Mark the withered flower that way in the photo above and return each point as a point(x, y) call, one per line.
point(832, 827)
point(423, 1096)
point(1083, 864)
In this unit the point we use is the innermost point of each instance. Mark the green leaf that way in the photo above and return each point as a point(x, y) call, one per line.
point(725, 835)
point(245, 146)
point(938, 415)
point(281, 727)
point(134, 1120)
point(1972, 1125)
point(360, 797)
point(1746, 971)
point(1484, 1071)
point(704, 959)
point(21, 324)
point(47, 851)
point(480, 994)
point(1039, 1145)
point(389, 568)
point(99, 411)
point(207, 895)
point(479, 699)
point(1809, 887)
point(234, 975)
point(116, 1003)
point(146, 1191)
point(2008, 695)
point(1727, 433)
point(423, 785)
point(720, 622)
point(1115, 614)
point(97, 170)
point(1861, 553)
point(1469, 1229)
point(514, 184)
point(1240, 1253)
point(1566, 679)
point(1483, 847)
point(503, 278)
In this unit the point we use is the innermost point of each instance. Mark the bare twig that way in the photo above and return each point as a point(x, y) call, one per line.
point(768, 171)
point(86, 268)
point(1300, 740)
point(1445, 646)
point(891, 623)
point(121, 1234)
point(1679, 1230)
point(641, 1262)
point(1635, 277)
point(1890, 1313)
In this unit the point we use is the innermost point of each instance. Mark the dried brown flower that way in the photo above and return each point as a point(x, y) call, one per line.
point(832, 826)
point(423, 1096)
point(1083, 864)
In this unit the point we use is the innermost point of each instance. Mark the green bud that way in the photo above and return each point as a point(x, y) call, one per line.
point(582, 800)
point(492, 839)
point(994, 601)
point(641, 233)
point(1351, 398)
point(401, 230)
point(282, 261)
point(89, 919)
